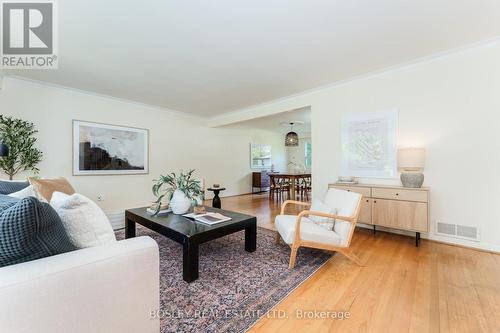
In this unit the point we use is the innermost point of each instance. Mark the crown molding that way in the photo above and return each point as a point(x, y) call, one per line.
point(175, 113)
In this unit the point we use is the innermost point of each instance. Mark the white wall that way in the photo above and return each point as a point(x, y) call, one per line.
point(298, 154)
point(176, 142)
point(449, 104)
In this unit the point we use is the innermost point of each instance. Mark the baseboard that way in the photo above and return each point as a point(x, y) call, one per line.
point(478, 246)
point(209, 197)
point(483, 247)
point(242, 194)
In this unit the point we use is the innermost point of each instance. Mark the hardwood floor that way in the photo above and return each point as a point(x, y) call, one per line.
point(433, 288)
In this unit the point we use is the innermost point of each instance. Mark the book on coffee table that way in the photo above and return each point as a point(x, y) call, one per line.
point(208, 218)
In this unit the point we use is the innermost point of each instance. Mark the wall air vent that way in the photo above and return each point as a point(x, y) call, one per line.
point(457, 231)
point(467, 232)
point(447, 229)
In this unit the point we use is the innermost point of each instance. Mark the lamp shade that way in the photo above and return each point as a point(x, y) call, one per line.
point(291, 139)
point(411, 159)
point(4, 150)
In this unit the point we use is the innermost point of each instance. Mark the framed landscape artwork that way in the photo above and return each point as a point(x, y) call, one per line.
point(260, 156)
point(102, 149)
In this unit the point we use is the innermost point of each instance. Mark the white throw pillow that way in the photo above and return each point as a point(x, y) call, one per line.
point(325, 222)
point(24, 193)
point(85, 223)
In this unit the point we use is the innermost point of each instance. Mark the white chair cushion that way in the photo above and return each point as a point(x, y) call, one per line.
point(342, 228)
point(325, 222)
point(309, 231)
point(346, 203)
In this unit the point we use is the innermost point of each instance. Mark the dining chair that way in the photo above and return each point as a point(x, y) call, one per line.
point(274, 188)
point(306, 188)
point(285, 186)
point(298, 187)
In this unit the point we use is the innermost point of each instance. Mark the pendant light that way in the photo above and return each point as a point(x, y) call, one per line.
point(291, 138)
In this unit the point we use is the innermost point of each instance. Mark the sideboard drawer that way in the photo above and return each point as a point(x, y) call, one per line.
point(399, 194)
point(365, 191)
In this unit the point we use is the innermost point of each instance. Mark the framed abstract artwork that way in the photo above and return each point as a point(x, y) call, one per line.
point(369, 144)
point(103, 149)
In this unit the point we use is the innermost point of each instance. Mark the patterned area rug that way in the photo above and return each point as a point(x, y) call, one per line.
point(234, 289)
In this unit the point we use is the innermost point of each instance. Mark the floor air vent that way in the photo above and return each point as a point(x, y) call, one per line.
point(458, 231)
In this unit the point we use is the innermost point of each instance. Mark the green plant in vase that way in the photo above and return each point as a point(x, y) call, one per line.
point(181, 190)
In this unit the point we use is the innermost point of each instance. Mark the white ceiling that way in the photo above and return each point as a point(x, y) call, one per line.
point(276, 122)
point(211, 57)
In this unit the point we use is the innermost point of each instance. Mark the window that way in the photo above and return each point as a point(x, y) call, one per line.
point(308, 154)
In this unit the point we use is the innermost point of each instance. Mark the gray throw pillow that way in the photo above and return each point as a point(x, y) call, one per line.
point(6, 202)
point(29, 230)
point(8, 187)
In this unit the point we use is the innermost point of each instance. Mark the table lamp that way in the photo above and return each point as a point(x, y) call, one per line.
point(411, 162)
point(4, 150)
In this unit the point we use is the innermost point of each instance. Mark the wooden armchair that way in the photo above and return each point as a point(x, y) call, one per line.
point(300, 230)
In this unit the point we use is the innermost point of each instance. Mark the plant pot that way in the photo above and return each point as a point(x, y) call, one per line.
point(412, 180)
point(179, 203)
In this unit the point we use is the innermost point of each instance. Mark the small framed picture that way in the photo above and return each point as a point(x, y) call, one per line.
point(260, 156)
point(103, 149)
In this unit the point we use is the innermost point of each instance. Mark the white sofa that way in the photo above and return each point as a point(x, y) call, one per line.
point(111, 288)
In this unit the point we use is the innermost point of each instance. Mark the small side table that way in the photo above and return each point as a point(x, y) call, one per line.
point(216, 200)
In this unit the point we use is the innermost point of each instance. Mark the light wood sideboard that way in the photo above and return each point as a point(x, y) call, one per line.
point(392, 206)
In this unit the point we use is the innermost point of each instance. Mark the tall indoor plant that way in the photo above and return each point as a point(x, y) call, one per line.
point(19, 136)
point(182, 190)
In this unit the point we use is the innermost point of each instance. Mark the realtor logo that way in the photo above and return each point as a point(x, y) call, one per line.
point(28, 35)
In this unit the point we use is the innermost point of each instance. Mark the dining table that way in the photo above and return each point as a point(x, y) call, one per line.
point(292, 177)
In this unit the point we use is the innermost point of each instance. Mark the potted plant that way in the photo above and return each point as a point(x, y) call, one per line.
point(181, 190)
point(19, 136)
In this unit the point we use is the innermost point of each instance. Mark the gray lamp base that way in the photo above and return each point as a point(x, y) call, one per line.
point(413, 180)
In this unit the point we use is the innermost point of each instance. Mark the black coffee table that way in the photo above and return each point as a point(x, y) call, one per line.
point(191, 234)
